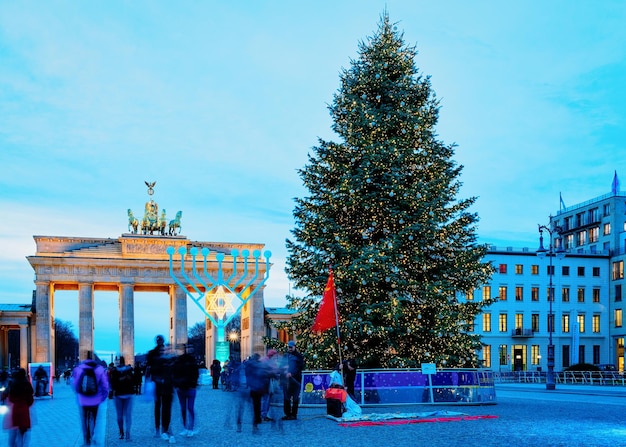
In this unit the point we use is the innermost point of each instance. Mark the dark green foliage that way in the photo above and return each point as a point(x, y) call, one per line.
point(382, 210)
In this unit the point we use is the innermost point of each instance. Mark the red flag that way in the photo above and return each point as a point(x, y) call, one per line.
point(326, 317)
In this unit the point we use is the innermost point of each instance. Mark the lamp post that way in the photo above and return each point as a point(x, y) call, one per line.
point(560, 254)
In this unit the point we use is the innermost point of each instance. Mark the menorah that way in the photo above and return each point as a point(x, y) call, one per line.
point(225, 296)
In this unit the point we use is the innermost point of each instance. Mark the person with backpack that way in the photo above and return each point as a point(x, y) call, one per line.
point(91, 384)
point(123, 386)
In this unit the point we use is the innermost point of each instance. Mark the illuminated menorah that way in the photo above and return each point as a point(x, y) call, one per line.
point(224, 296)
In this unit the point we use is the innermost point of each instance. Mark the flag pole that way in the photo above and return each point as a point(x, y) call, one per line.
point(337, 326)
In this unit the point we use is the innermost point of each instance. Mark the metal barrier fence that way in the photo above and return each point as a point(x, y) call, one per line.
point(385, 387)
point(565, 377)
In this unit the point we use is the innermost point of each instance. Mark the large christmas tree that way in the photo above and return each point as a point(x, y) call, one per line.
point(382, 211)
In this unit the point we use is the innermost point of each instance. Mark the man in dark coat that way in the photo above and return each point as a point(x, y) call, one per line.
point(292, 381)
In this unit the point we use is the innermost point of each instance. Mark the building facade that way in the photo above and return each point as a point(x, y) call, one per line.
point(586, 311)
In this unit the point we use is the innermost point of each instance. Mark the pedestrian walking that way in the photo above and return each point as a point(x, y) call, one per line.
point(91, 384)
point(292, 381)
point(21, 397)
point(159, 369)
point(123, 386)
point(216, 371)
point(186, 374)
point(271, 361)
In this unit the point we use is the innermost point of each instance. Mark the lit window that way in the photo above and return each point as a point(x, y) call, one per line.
point(519, 269)
point(596, 323)
point(581, 294)
point(519, 293)
point(618, 317)
point(607, 228)
point(486, 322)
point(486, 292)
point(487, 356)
point(534, 293)
point(502, 292)
point(618, 270)
point(503, 323)
point(502, 354)
point(534, 354)
point(565, 322)
point(596, 295)
point(565, 294)
point(581, 323)
point(534, 269)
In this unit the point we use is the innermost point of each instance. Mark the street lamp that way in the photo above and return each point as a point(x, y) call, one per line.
point(560, 254)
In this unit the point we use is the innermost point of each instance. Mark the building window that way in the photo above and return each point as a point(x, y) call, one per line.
point(534, 321)
point(595, 271)
point(534, 269)
point(581, 354)
point(502, 354)
point(596, 354)
point(469, 296)
point(581, 294)
point(565, 322)
point(565, 294)
point(471, 327)
point(486, 293)
point(550, 323)
point(607, 228)
point(581, 323)
point(596, 295)
point(550, 294)
point(550, 270)
point(569, 241)
point(486, 322)
point(534, 293)
point(618, 270)
point(618, 317)
point(618, 292)
point(519, 293)
point(502, 268)
point(519, 321)
point(534, 354)
point(581, 271)
point(581, 238)
point(502, 291)
point(606, 209)
point(594, 215)
point(565, 270)
point(487, 356)
point(594, 234)
point(519, 269)
point(595, 323)
point(502, 323)
point(565, 356)
point(580, 219)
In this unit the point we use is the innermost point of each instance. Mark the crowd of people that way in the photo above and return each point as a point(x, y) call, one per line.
point(258, 379)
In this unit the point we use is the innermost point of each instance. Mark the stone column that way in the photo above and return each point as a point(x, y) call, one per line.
point(178, 318)
point(257, 322)
point(43, 334)
point(127, 323)
point(23, 346)
point(85, 320)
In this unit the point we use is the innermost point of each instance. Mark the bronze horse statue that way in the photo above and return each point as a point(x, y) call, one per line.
point(174, 227)
point(133, 223)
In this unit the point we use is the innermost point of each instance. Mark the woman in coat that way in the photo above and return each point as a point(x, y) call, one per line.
point(21, 397)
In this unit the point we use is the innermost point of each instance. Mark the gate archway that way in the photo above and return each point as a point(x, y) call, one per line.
point(131, 263)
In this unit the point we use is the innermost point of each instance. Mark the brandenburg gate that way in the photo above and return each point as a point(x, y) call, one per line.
point(141, 263)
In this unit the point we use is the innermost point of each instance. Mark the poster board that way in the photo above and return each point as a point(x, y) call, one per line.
point(40, 375)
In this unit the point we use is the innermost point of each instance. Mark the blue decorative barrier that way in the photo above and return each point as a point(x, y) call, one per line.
point(406, 386)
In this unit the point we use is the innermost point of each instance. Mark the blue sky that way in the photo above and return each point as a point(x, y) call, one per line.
point(220, 102)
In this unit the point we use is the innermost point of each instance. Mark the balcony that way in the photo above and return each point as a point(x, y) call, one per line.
point(522, 333)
